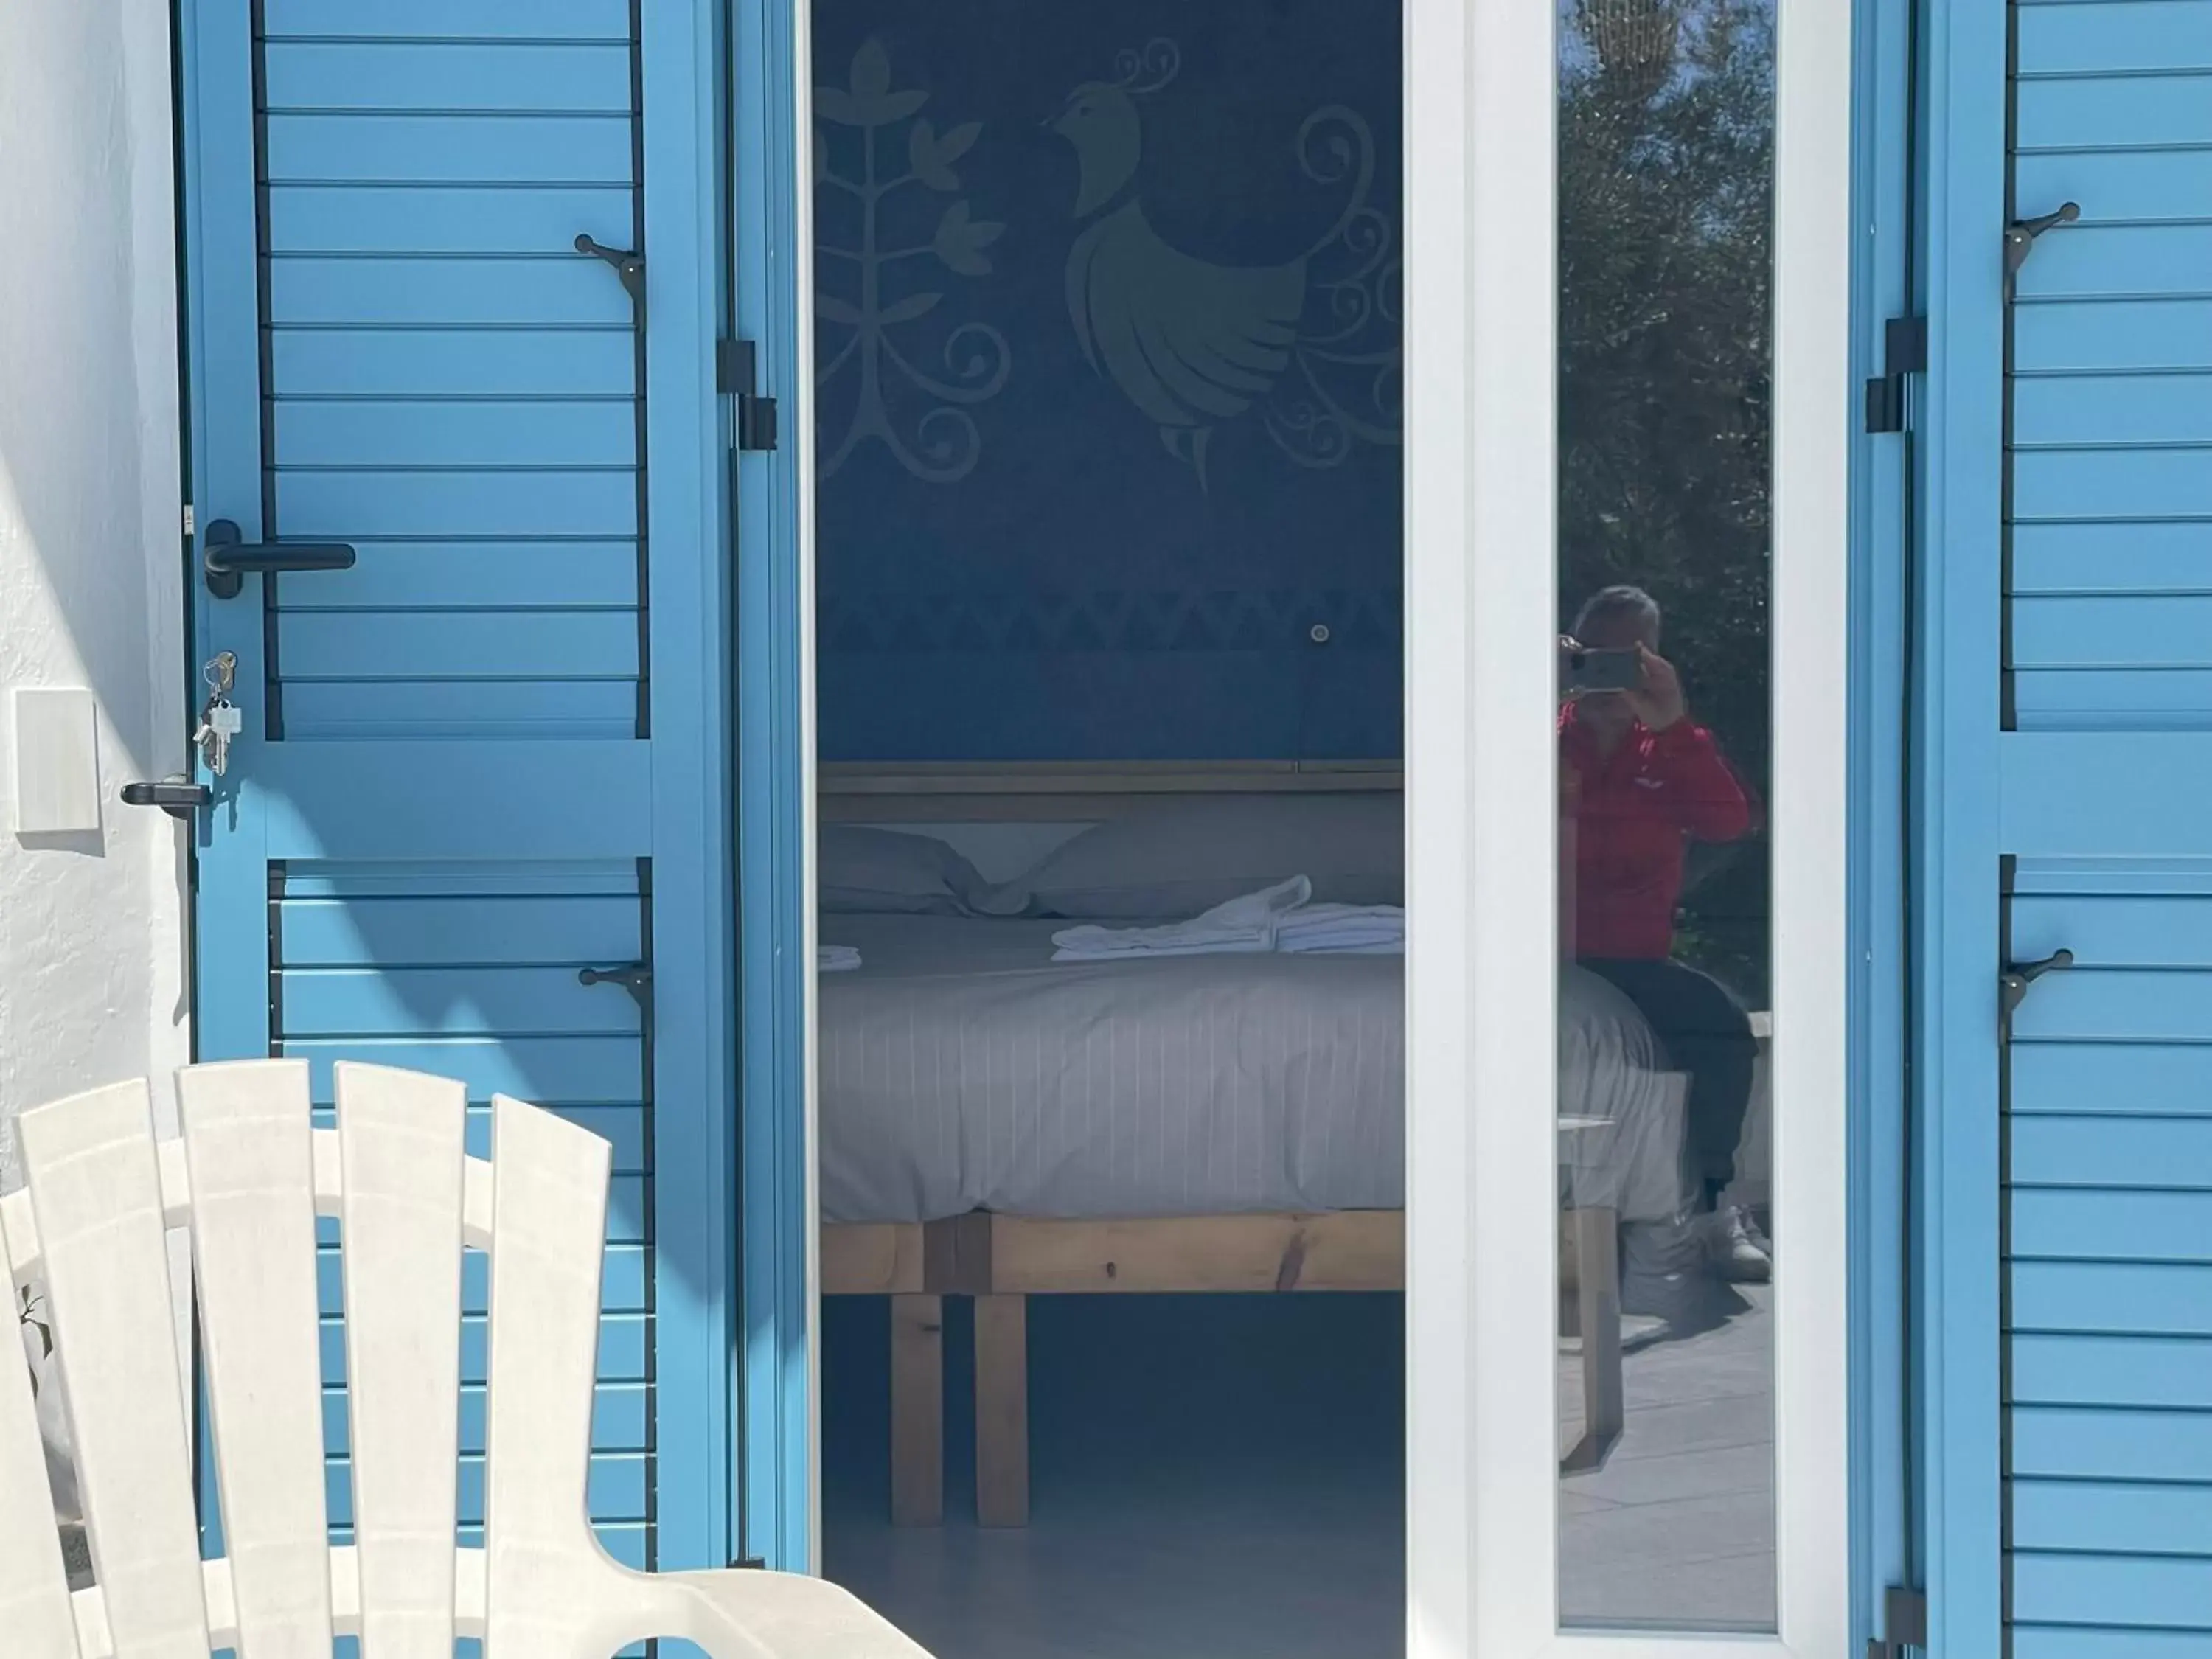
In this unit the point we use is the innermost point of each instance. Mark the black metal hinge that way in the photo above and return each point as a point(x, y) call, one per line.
point(1904, 1623)
point(736, 372)
point(2014, 981)
point(636, 979)
point(2020, 235)
point(179, 797)
point(628, 266)
point(1905, 351)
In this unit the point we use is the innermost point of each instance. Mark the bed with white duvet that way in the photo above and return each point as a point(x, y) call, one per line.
point(961, 1069)
point(995, 1123)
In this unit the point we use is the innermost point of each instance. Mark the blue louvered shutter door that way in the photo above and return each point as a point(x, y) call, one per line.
point(2107, 817)
point(487, 758)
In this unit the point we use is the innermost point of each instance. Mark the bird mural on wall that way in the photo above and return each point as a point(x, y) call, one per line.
point(1194, 343)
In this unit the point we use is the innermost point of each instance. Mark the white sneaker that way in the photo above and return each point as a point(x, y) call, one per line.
point(1735, 1248)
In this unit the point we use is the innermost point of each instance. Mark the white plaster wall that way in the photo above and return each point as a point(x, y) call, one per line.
point(92, 926)
point(93, 954)
point(92, 985)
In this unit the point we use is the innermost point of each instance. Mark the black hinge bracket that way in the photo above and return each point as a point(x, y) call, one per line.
point(179, 797)
point(628, 266)
point(737, 373)
point(1904, 1623)
point(2015, 978)
point(1905, 351)
point(2021, 235)
point(636, 979)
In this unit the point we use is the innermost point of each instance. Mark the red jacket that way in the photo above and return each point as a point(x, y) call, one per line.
point(1635, 810)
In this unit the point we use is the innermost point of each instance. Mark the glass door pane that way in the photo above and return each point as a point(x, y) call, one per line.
point(1629, 400)
point(1666, 257)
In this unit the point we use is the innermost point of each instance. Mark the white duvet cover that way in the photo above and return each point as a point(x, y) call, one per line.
point(961, 1069)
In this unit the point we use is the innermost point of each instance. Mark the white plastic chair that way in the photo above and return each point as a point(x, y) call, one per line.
point(248, 1178)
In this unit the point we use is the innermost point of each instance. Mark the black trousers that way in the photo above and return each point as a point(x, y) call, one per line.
point(1707, 1034)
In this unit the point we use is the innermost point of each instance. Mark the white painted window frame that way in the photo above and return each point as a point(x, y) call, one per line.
point(1481, 619)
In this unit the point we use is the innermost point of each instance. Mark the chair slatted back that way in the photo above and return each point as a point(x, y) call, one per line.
point(549, 1214)
point(34, 1601)
point(95, 1188)
point(404, 1162)
point(250, 1177)
point(249, 1149)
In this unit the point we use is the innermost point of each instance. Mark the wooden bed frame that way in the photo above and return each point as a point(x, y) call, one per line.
point(1002, 1261)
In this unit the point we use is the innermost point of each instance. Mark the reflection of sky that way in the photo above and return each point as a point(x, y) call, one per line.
point(1577, 58)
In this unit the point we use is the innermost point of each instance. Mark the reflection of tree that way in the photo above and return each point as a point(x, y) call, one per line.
point(28, 1312)
point(1666, 185)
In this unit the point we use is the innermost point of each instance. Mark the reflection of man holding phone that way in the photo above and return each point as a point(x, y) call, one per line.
point(1644, 781)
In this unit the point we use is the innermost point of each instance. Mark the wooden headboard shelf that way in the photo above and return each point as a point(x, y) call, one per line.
point(1062, 790)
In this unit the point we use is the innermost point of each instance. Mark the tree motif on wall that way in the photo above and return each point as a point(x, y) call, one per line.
point(880, 166)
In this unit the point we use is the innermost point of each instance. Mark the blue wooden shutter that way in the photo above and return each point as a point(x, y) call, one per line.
point(492, 755)
point(2107, 1173)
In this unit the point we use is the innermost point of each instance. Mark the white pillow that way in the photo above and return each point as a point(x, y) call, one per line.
point(1176, 859)
point(860, 870)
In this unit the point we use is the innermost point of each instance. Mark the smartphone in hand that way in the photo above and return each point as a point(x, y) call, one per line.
point(1581, 669)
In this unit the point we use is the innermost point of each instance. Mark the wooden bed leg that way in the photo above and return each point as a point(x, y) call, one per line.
point(1597, 1290)
point(917, 1411)
point(1002, 1410)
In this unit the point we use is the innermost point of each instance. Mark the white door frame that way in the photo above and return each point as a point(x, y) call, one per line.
point(1481, 801)
point(1481, 604)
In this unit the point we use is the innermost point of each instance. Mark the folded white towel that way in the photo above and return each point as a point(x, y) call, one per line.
point(1367, 930)
point(836, 959)
point(1243, 925)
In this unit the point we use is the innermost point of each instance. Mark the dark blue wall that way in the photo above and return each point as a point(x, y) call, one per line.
point(1029, 553)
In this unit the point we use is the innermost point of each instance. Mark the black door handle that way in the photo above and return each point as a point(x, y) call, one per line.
point(2013, 983)
point(227, 559)
point(636, 979)
point(629, 266)
point(2019, 235)
point(177, 798)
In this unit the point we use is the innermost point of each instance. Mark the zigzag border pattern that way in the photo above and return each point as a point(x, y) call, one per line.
point(985, 624)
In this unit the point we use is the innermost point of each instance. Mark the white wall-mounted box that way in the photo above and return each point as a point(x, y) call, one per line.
point(57, 761)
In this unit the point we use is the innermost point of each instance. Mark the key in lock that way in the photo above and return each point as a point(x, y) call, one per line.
point(220, 719)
